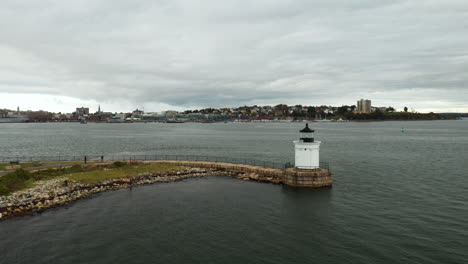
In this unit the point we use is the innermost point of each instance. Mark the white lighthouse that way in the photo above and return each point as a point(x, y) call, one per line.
point(307, 150)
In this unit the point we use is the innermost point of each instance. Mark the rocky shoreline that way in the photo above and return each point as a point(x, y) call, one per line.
point(59, 191)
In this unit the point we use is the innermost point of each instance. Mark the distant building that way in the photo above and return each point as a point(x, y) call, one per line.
point(363, 106)
point(82, 111)
point(40, 116)
point(381, 109)
point(117, 118)
point(137, 113)
point(169, 113)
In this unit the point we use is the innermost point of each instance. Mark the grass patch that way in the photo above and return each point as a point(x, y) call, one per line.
point(54, 172)
point(119, 164)
point(22, 179)
point(14, 181)
point(97, 176)
point(3, 165)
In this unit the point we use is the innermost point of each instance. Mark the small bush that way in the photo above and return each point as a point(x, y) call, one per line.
point(4, 190)
point(75, 168)
point(43, 174)
point(13, 181)
point(22, 175)
point(119, 164)
point(2, 166)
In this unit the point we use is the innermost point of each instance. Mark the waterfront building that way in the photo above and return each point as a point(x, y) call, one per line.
point(170, 114)
point(117, 118)
point(9, 116)
point(307, 150)
point(82, 111)
point(137, 113)
point(363, 106)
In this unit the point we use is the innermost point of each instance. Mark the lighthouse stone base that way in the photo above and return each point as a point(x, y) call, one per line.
point(319, 177)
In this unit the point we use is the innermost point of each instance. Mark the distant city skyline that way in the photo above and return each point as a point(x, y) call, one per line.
point(181, 55)
point(363, 111)
point(69, 105)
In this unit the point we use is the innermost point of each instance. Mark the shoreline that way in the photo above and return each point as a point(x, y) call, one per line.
point(54, 193)
point(59, 190)
point(235, 121)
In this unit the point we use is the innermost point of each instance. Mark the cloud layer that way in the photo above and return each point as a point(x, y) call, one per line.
point(199, 53)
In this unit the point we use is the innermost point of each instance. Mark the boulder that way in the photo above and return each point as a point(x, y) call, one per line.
point(253, 176)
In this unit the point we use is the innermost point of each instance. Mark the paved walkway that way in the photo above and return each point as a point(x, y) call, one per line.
point(43, 166)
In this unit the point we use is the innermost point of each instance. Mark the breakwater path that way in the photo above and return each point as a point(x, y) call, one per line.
point(35, 167)
point(57, 191)
point(320, 177)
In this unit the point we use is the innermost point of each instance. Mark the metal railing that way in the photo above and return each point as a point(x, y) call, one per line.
point(152, 157)
point(148, 157)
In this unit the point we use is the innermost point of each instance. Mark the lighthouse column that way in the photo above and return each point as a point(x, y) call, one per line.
point(307, 154)
point(307, 171)
point(307, 150)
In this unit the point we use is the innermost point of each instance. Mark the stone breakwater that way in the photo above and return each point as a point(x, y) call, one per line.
point(59, 191)
point(314, 178)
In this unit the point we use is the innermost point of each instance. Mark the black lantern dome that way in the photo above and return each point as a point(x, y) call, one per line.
point(307, 134)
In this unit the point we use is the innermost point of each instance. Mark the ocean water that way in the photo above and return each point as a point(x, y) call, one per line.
point(398, 197)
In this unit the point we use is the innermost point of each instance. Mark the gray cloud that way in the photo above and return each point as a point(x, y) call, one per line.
point(190, 53)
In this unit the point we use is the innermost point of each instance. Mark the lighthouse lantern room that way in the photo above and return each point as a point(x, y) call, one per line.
point(307, 150)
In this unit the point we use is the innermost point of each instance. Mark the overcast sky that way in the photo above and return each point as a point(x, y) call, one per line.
point(186, 54)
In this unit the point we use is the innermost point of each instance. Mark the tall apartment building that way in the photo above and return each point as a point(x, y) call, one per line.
point(82, 111)
point(363, 106)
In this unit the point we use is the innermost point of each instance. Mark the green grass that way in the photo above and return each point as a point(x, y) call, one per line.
point(3, 165)
point(21, 179)
point(55, 172)
point(15, 181)
point(97, 176)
